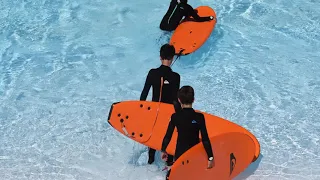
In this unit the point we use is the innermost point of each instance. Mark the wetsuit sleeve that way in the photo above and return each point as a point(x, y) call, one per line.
point(167, 138)
point(146, 88)
point(195, 15)
point(176, 104)
point(205, 137)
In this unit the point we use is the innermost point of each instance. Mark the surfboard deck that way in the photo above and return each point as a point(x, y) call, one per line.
point(191, 35)
point(232, 156)
point(146, 122)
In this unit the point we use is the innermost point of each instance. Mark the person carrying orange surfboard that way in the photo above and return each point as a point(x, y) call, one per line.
point(188, 123)
point(175, 13)
point(165, 85)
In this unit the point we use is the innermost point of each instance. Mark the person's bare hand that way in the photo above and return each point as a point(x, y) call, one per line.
point(164, 156)
point(210, 164)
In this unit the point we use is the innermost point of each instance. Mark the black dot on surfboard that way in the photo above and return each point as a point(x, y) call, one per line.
point(182, 162)
point(141, 135)
point(127, 117)
point(121, 120)
point(132, 133)
point(119, 115)
point(141, 105)
point(187, 161)
point(149, 108)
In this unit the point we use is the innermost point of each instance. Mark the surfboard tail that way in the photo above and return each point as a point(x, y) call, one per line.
point(233, 153)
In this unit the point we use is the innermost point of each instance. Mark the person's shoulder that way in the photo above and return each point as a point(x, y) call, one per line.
point(177, 114)
point(199, 113)
point(200, 116)
point(174, 116)
point(156, 69)
point(153, 70)
point(176, 74)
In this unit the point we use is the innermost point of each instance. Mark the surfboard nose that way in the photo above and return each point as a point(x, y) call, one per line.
point(110, 112)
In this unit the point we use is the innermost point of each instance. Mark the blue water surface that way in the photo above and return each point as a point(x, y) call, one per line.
point(64, 62)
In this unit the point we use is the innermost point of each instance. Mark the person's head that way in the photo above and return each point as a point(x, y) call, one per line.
point(167, 53)
point(186, 95)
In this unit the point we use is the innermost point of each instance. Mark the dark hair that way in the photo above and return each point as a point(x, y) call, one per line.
point(184, 1)
point(186, 95)
point(167, 51)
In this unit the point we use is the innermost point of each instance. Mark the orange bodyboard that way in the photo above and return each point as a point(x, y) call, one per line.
point(191, 35)
point(146, 122)
point(233, 153)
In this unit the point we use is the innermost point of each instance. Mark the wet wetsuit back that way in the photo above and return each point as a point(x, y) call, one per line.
point(171, 84)
point(175, 14)
point(189, 124)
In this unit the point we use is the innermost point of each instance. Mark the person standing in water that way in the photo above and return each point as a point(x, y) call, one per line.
point(188, 123)
point(165, 85)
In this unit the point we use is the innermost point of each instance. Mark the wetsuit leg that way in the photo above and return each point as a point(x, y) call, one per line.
point(151, 155)
point(168, 174)
point(170, 160)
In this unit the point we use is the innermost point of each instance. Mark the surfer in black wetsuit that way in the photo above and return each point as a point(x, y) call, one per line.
point(188, 123)
point(165, 84)
point(177, 10)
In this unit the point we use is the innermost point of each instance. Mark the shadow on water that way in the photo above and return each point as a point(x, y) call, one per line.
point(163, 38)
point(250, 170)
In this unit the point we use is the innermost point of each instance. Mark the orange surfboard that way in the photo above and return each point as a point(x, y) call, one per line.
point(190, 35)
point(233, 153)
point(146, 122)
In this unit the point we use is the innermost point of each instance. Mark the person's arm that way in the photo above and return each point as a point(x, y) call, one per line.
point(146, 88)
point(205, 138)
point(192, 12)
point(167, 138)
point(176, 104)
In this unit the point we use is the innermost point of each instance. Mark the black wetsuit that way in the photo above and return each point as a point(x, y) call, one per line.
point(188, 123)
point(176, 12)
point(171, 85)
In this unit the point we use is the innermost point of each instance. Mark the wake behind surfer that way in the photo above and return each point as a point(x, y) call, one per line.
point(165, 85)
point(175, 13)
point(188, 123)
